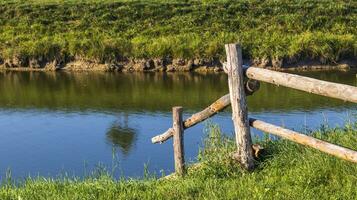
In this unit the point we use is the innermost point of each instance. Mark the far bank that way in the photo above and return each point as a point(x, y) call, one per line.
point(178, 35)
point(167, 65)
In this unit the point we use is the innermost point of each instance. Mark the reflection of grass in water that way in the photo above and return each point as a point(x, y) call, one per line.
point(150, 92)
point(121, 137)
point(109, 91)
point(285, 171)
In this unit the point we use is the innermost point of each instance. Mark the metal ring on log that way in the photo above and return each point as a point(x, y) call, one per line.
point(251, 86)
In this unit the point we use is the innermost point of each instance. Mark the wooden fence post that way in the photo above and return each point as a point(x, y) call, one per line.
point(178, 141)
point(234, 69)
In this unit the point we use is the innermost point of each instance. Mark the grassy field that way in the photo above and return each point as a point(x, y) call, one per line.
point(285, 171)
point(112, 30)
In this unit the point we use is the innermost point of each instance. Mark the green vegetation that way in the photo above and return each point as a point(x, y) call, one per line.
point(285, 171)
point(107, 30)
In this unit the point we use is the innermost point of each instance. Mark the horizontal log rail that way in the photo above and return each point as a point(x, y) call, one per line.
point(338, 151)
point(311, 85)
point(332, 149)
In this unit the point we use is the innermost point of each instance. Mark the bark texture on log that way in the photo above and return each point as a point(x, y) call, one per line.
point(338, 151)
point(213, 109)
point(311, 85)
point(234, 69)
point(208, 112)
point(179, 153)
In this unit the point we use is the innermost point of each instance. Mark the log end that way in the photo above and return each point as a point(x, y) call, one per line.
point(155, 140)
point(163, 137)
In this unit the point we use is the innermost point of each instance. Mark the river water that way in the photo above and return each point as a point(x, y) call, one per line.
point(60, 123)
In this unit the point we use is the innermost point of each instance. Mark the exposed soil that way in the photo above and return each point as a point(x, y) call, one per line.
point(167, 65)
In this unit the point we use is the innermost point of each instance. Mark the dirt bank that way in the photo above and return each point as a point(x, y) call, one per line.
point(166, 65)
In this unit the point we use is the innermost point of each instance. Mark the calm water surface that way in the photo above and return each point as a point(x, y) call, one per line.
point(57, 123)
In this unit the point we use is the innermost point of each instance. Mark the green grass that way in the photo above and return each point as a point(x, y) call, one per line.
point(285, 171)
point(112, 30)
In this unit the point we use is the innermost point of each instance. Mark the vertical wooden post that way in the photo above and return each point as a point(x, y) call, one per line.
point(234, 69)
point(178, 140)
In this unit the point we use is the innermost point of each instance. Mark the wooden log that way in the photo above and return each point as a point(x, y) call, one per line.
point(178, 141)
point(234, 69)
point(338, 151)
point(208, 112)
point(211, 110)
point(311, 85)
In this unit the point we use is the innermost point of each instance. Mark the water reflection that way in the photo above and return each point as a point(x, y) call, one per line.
point(121, 136)
point(150, 92)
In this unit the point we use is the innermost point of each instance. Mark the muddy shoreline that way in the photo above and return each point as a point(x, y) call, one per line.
point(167, 65)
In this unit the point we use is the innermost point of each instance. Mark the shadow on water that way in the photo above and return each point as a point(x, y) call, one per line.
point(121, 136)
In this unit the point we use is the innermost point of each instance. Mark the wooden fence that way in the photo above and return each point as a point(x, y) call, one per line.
point(239, 88)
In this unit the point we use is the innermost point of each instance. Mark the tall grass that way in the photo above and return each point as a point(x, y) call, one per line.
point(107, 30)
point(285, 171)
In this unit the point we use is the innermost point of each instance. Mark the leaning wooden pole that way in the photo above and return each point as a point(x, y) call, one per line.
point(178, 141)
point(234, 69)
point(208, 112)
point(311, 85)
point(338, 151)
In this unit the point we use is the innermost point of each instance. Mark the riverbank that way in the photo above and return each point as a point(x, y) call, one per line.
point(170, 65)
point(176, 35)
point(285, 171)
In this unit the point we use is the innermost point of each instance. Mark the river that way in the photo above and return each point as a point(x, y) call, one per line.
point(60, 123)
